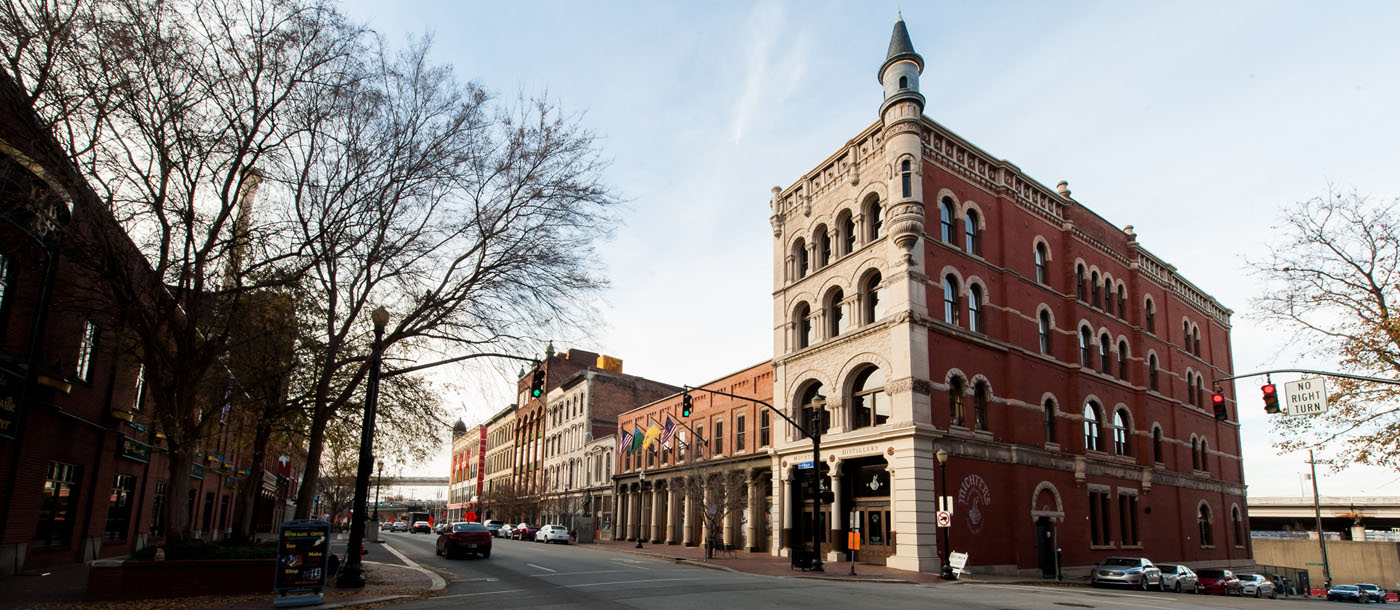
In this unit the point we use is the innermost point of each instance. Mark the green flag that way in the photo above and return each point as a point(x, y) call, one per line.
point(636, 439)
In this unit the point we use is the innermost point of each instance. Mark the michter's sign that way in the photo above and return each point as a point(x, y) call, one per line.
point(9, 405)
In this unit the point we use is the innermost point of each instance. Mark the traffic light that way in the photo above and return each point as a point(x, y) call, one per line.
point(1217, 400)
point(1270, 398)
point(685, 404)
point(537, 384)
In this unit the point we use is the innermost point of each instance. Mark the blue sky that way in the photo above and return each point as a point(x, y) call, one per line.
point(1195, 122)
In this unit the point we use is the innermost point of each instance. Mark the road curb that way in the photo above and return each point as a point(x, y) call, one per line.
point(438, 582)
point(890, 581)
point(360, 602)
point(702, 564)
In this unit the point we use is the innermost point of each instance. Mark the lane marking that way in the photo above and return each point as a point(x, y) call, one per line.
point(631, 563)
point(577, 573)
point(438, 583)
point(628, 582)
point(475, 579)
point(472, 594)
point(540, 567)
point(1086, 595)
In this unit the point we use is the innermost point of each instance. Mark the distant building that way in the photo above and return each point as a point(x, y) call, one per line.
point(466, 481)
point(499, 465)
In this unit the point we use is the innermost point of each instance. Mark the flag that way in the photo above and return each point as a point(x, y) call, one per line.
point(653, 432)
point(669, 432)
point(627, 439)
point(636, 438)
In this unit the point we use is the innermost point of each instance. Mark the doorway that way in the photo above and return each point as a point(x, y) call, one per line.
point(1045, 547)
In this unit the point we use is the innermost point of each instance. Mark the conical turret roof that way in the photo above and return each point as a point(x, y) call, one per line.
point(901, 48)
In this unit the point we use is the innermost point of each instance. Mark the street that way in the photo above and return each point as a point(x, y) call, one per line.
point(537, 575)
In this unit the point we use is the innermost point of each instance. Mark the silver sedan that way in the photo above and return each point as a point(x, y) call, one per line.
point(1131, 571)
point(1179, 578)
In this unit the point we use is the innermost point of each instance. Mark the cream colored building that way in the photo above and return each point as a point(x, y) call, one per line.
point(500, 455)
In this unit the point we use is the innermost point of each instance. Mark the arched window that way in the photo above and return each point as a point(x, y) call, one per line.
point(1196, 341)
point(870, 405)
point(970, 231)
point(945, 219)
point(955, 402)
point(1122, 302)
point(1086, 360)
point(904, 84)
point(1150, 317)
point(802, 319)
point(1186, 336)
point(1191, 389)
point(1050, 421)
point(979, 405)
point(1045, 332)
point(1205, 456)
point(975, 321)
point(870, 297)
point(1042, 256)
point(1094, 289)
point(876, 220)
point(1091, 427)
point(823, 243)
point(1105, 359)
point(1152, 372)
point(1108, 296)
point(950, 300)
point(799, 255)
point(1157, 445)
point(807, 408)
point(1079, 287)
point(1237, 525)
point(1123, 360)
point(1195, 454)
point(1121, 433)
point(1200, 392)
point(836, 322)
point(906, 175)
point(848, 233)
point(1203, 519)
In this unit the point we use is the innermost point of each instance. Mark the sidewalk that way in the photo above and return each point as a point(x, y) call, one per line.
point(386, 580)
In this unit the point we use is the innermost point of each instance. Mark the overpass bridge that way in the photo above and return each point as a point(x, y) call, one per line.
point(1349, 516)
point(410, 481)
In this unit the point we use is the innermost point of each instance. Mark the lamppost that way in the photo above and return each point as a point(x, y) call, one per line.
point(942, 456)
point(378, 484)
point(352, 574)
point(642, 478)
point(818, 404)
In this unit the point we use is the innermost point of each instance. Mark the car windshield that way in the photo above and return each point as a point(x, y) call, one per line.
point(1367, 587)
point(1122, 561)
point(1345, 587)
point(1211, 573)
point(1166, 567)
point(468, 527)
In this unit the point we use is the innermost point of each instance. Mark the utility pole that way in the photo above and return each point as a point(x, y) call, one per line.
point(1321, 535)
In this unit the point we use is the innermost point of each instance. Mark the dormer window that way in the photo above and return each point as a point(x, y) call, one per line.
point(904, 84)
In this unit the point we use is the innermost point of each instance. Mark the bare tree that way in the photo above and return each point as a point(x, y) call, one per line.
point(1334, 279)
point(718, 490)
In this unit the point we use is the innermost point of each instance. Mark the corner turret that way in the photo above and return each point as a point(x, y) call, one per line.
point(900, 72)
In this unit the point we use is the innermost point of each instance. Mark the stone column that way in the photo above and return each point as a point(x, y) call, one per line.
point(754, 512)
point(688, 522)
point(644, 508)
point(726, 519)
point(671, 521)
point(782, 489)
point(634, 513)
point(838, 508)
point(658, 514)
point(913, 508)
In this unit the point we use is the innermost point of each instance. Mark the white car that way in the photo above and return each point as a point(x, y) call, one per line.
point(552, 533)
point(506, 531)
point(1256, 585)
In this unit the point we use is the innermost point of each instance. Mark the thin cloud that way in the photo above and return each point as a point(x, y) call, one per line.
point(774, 65)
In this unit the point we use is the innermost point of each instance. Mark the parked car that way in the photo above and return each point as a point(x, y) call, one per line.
point(494, 526)
point(1257, 585)
point(552, 533)
point(464, 538)
point(1346, 593)
point(1131, 571)
point(1373, 592)
point(525, 531)
point(506, 531)
point(1217, 581)
point(400, 526)
point(422, 527)
point(1179, 578)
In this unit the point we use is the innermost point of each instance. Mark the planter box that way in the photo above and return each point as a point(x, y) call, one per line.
point(129, 579)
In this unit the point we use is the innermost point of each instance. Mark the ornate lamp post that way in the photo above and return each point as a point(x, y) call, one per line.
point(352, 574)
point(942, 456)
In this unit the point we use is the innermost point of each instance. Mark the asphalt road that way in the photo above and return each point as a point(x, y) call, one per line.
point(537, 575)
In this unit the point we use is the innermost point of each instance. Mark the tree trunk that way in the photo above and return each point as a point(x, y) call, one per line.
point(311, 473)
point(177, 510)
point(252, 488)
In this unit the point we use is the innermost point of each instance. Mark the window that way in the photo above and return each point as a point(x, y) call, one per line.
point(1186, 336)
point(1196, 341)
point(974, 310)
point(970, 232)
point(906, 177)
point(1079, 287)
point(739, 433)
point(719, 437)
point(870, 405)
point(823, 244)
point(1050, 421)
point(1205, 455)
point(904, 84)
point(1091, 427)
point(870, 297)
point(1195, 454)
point(1157, 445)
point(808, 408)
point(1108, 296)
point(950, 300)
point(1104, 356)
point(876, 221)
point(1042, 256)
point(945, 216)
point(223, 512)
point(802, 318)
point(1094, 289)
point(58, 510)
point(1045, 332)
point(158, 512)
point(1200, 392)
point(208, 522)
point(979, 405)
point(1150, 316)
point(1121, 435)
point(1127, 519)
point(1085, 358)
point(1099, 532)
point(1237, 525)
point(1122, 303)
point(799, 256)
point(836, 321)
point(1152, 372)
point(763, 428)
point(848, 233)
point(85, 351)
point(1203, 521)
point(955, 402)
point(1123, 360)
point(119, 507)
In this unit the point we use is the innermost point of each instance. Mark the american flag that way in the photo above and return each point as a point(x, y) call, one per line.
point(626, 439)
point(667, 433)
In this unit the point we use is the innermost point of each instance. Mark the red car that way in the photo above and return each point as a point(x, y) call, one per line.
point(524, 531)
point(464, 539)
point(1219, 582)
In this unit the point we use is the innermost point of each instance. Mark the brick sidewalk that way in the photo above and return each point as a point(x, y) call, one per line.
point(768, 565)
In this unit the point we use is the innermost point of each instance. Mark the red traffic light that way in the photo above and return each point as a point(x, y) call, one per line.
point(1217, 402)
point(1270, 398)
point(1217, 399)
point(1268, 388)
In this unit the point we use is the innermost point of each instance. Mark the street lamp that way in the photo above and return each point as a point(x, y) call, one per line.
point(378, 484)
point(942, 456)
point(352, 574)
point(818, 405)
point(642, 478)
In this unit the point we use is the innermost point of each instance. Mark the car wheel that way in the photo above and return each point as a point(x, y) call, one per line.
point(1258, 592)
point(1142, 583)
point(486, 554)
point(1161, 584)
point(1178, 586)
point(437, 551)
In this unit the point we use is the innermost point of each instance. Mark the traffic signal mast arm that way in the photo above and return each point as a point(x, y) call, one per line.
point(1310, 372)
point(771, 408)
point(451, 360)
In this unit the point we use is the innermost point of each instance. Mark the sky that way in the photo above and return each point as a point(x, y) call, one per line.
point(1194, 122)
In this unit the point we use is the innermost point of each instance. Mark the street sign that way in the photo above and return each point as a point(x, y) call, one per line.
point(945, 518)
point(302, 550)
point(1305, 396)
point(804, 465)
point(471, 515)
point(958, 561)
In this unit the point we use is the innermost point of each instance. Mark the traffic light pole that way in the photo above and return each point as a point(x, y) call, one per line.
point(1311, 372)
